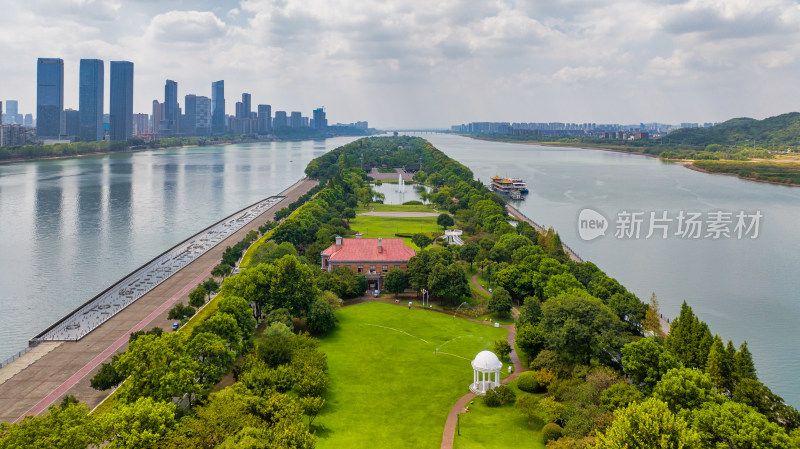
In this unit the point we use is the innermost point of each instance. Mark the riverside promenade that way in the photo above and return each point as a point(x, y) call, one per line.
point(54, 369)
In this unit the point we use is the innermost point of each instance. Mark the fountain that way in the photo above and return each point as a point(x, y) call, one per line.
point(401, 183)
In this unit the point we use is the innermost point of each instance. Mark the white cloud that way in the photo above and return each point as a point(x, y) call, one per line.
point(194, 27)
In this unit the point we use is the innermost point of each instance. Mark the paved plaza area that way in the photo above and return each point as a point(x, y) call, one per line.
point(43, 376)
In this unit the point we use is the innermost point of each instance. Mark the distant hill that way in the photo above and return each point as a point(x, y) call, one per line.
point(778, 131)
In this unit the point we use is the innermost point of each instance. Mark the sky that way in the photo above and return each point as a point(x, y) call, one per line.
point(423, 63)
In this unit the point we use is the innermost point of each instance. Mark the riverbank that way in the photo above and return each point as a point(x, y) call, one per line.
point(786, 173)
point(68, 368)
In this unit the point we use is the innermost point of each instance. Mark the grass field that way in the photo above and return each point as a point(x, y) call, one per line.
point(387, 386)
point(396, 208)
point(782, 172)
point(497, 428)
point(389, 226)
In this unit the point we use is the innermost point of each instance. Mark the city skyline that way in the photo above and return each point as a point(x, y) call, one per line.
point(609, 61)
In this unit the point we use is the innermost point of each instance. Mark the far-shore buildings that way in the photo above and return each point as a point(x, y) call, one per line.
point(371, 257)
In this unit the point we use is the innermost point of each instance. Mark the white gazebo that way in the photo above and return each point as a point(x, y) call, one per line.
point(484, 365)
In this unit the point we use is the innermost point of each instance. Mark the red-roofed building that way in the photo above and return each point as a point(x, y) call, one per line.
point(371, 257)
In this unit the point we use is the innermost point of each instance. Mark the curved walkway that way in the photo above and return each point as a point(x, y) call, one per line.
point(474, 281)
point(400, 214)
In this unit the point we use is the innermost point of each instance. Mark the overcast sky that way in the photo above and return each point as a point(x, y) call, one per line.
point(429, 63)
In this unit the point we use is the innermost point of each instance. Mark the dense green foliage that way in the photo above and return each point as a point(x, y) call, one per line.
point(781, 130)
point(786, 173)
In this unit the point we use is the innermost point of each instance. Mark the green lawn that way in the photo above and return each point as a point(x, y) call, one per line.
point(389, 226)
point(497, 428)
point(396, 208)
point(387, 386)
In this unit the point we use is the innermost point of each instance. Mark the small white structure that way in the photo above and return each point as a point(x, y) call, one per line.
point(485, 364)
point(401, 184)
point(453, 236)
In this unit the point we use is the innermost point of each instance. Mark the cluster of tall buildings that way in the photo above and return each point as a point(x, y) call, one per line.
point(203, 116)
point(557, 129)
point(87, 124)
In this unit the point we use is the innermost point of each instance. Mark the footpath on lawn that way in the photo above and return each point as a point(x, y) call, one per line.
point(41, 378)
point(394, 371)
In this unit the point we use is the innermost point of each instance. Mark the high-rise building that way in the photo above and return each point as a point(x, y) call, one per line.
point(320, 122)
point(247, 109)
point(156, 117)
point(239, 109)
point(264, 118)
point(189, 124)
point(1, 112)
point(90, 100)
point(296, 120)
point(280, 119)
point(12, 116)
point(121, 101)
point(141, 124)
point(50, 97)
point(171, 113)
point(72, 124)
point(28, 121)
point(12, 135)
point(202, 116)
point(218, 107)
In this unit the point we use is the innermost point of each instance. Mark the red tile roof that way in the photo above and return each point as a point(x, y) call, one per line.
point(357, 250)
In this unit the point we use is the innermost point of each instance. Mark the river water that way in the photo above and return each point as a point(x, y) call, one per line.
point(70, 228)
point(745, 289)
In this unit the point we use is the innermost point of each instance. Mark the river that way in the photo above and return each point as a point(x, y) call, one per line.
point(72, 227)
point(69, 228)
point(745, 289)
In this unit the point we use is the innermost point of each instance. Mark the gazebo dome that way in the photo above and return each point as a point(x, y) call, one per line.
point(486, 361)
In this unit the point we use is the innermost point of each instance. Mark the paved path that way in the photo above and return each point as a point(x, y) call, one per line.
point(401, 214)
point(375, 174)
point(68, 368)
point(474, 281)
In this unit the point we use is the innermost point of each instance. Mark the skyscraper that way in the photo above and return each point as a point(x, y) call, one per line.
point(72, 120)
point(247, 109)
point(320, 122)
point(264, 118)
point(170, 108)
point(203, 116)
point(13, 117)
point(157, 108)
point(189, 125)
point(218, 107)
point(49, 97)
point(296, 120)
point(90, 100)
point(121, 100)
point(280, 119)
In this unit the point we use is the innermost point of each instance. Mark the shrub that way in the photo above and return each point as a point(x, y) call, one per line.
point(491, 399)
point(527, 382)
point(498, 396)
point(551, 431)
point(544, 376)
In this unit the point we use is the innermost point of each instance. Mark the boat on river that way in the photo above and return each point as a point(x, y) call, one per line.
point(514, 187)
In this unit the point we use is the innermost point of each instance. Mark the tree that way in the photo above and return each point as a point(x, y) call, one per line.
point(321, 319)
point(647, 425)
point(528, 405)
point(331, 298)
point(444, 220)
point(731, 424)
point(652, 319)
point(686, 389)
point(65, 427)
point(619, 396)
point(280, 316)
point(530, 312)
point(645, 362)
point(241, 311)
point(743, 365)
point(501, 348)
point(197, 297)
point(500, 301)
point(468, 252)
point(211, 286)
point(579, 328)
point(689, 339)
point(213, 356)
point(221, 270)
point(396, 281)
point(718, 367)
point(530, 340)
point(311, 406)
point(157, 367)
point(107, 377)
point(180, 312)
point(448, 283)
point(140, 424)
point(223, 325)
point(421, 240)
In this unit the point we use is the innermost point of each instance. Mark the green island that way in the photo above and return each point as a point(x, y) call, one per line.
point(758, 150)
point(288, 355)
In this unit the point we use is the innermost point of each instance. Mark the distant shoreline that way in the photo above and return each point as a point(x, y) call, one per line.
point(688, 163)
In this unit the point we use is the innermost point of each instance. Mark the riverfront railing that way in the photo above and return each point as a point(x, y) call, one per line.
point(18, 355)
point(114, 299)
